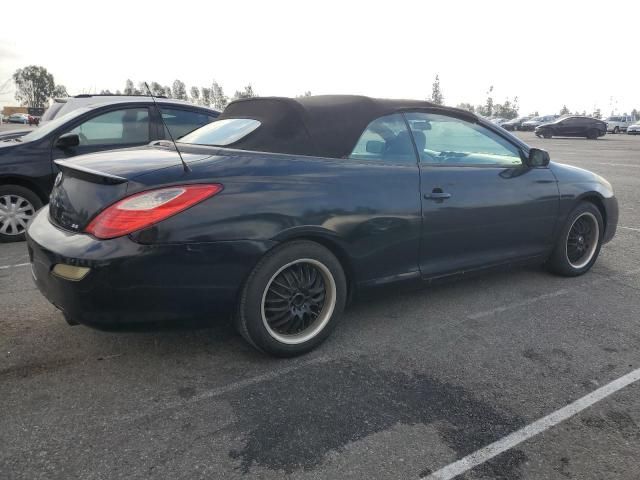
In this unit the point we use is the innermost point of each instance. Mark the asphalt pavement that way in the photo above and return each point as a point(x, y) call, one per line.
point(410, 382)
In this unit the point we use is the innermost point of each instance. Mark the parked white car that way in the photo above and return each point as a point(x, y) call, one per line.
point(634, 129)
point(531, 125)
point(619, 123)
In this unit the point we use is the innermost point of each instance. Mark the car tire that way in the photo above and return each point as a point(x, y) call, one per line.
point(547, 134)
point(298, 283)
point(616, 130)
point(578, 244)
point(592, 134)
point(18, 205)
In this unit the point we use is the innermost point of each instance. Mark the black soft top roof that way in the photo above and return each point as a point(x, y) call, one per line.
point(322, 125)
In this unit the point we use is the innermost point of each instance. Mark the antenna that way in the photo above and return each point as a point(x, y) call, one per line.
point(184, 164)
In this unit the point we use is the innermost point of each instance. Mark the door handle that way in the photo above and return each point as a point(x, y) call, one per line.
point(437, 194)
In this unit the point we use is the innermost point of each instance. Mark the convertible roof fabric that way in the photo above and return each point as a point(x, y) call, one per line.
point(322, 125)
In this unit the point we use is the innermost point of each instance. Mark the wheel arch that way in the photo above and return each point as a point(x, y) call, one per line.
point(331, 242)
point(26, 183)
point(595, 199)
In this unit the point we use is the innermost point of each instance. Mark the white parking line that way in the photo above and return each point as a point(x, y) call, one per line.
point(631, 228)
point(5, 267)
point(496, 448)
point(529, 301)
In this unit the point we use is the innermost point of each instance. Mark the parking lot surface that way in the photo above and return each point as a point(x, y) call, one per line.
point(410, 382)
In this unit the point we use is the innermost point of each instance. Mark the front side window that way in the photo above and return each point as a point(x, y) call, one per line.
point(180, 122)
point(119, 127)
point(444, 140)
point(222, 132)
point(385, 139)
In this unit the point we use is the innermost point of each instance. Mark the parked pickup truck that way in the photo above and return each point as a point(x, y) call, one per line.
point(619, 123)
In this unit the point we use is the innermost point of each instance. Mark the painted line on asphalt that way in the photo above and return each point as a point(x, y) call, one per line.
point(630, 228)
point(618, 164)
point(229, 388)
point(545, 296)
point(545, 423)
point(529, 301)
point(5, 267)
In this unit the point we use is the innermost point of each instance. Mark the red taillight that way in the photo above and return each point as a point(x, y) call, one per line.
point(146, 208)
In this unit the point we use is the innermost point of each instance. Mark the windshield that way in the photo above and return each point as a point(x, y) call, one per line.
point(50, 126)
point(222, 132)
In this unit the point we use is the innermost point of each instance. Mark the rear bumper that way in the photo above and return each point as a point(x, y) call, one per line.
point(129, 282)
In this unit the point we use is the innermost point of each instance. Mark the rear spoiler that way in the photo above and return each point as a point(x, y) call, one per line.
point(93, 176)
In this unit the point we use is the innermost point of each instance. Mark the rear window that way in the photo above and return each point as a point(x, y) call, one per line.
point(52, 111)
point(222, 132)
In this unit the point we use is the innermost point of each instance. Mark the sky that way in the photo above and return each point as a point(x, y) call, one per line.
point(547, 53)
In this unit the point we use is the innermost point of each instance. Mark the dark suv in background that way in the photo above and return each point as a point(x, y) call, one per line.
point(574, 126)
point(27, 168)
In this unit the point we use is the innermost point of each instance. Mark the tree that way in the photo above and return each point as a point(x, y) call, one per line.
point(635, 114)
point(156, 89)
point(436, 93)
point(167, 91)
point(218, 99)
point(179, 90)
point(565, 110)
point(508, 109)
point(130, 89)
point(195, 95)
point(597, 114)
point(205, 96)
point(466, 106)
point(246, 93)
point(34, 86)
point(105, 92)
point(305, 94)
point(59, 91)
point(486, 110)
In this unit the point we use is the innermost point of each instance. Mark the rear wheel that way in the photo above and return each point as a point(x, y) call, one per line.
point(292, 299)
point(616, 130)
point(579, 242)
point(18, 205)
point(592, 134)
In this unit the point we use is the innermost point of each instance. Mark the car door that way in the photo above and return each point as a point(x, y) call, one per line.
point(379, 208)
point(480, 204)
point(107, 130)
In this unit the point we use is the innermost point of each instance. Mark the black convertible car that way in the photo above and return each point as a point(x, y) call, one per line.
point(284, 208)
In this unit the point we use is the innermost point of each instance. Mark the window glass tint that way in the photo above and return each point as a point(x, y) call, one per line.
point(52, 111)
point(181, 122)
point(443, 140)
point(222, 132)
point(119, 127)
point(386, 139)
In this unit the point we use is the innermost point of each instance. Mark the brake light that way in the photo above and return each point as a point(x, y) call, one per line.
point(146, 208)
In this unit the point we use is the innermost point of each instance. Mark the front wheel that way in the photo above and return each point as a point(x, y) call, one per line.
point(579, 242)
point(616, 130)
point(547, 134)
point(592, 134)
point(292, 300)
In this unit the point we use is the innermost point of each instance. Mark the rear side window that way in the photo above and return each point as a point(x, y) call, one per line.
point(385, 139)
point(120, 127)
point(180, 122)
point(222, 132)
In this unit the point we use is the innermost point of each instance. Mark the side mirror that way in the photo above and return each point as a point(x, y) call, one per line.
point(538, 158)
point(68, 140)
point(375, 146)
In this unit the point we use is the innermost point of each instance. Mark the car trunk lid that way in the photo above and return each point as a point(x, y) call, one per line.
point(87, 185)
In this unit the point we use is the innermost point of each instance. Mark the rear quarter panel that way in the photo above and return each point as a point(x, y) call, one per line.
point(370, 212)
